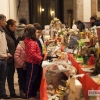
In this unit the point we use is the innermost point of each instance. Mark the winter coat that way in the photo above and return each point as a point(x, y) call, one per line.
point(33, 54)
point(20, 55)
point(3, 44)
point(19, 31)
point(73, 42)
point(11, 43)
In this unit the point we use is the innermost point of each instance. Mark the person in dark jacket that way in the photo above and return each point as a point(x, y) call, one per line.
point(40, 43)
point(11, 42)
point(20, 28)
point(80, 25)
point(94, 21)
point(39, 35)
point(73, 41)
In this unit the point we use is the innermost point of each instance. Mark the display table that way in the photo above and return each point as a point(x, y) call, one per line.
point(43, 89)
point(86, 81)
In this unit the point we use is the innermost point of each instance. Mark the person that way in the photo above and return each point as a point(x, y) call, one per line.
point(40, 44)
point(3, 57)
point(73, 41)
point(33, 61)
point(19, 58)
point(80, 25)
point(96, 70)
point(39, 36)
point(20, 28)
point(94, 21)
point(11, 42)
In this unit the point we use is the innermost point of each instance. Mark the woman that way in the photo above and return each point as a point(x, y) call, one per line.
point(11, 42)
point(33, 61)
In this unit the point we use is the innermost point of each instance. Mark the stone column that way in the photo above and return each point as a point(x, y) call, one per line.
point(97, 12)
point(79, 10)
point(86, 10)
point(12, 9)
point(82, 10)
point(5, 8)
point(74, 10)
point(93, 7)
point(9, 9)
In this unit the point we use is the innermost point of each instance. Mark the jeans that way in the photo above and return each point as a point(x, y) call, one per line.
point(3, 64)
point(10, 70)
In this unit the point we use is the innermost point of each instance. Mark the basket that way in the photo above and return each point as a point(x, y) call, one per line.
point(55, 78)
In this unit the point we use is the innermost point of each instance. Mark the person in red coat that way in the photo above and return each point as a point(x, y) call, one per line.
point(33, 61)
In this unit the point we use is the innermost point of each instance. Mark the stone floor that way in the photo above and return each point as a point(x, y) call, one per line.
point(16, 88)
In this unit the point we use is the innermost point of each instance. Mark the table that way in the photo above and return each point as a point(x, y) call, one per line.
point(86, 80)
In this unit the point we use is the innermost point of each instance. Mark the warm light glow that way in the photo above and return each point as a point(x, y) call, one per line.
point(52, 12)
point(42, 9)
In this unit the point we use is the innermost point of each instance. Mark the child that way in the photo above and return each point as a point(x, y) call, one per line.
point(19, 57)
point(33, 61)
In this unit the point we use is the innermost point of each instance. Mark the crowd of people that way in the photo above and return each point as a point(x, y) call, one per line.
point(20, 49)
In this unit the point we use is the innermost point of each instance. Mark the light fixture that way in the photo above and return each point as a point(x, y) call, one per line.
point(42, 9)
point(52, 12)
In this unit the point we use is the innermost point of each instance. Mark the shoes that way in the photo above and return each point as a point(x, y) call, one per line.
point(14, 96)
point(22, 94)
point(38, 95)
point(4, 96)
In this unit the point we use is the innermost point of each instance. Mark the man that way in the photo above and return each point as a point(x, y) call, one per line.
point(11, 43)
point(39, 35)
point(20, 28)
point(40, 43)
point(3, 57)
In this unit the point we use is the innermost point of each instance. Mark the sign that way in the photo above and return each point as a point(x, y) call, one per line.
point(93, 92)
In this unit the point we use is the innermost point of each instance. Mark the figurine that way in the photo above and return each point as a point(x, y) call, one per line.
point(50, 90)
point(91, 60)
point(55, 97)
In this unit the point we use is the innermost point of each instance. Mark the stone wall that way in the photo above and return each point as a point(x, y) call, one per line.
point(75, 5)
point(23, 10)
point(68, 12)
point(68, 4)
point(93, 7)
point(97, 12)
